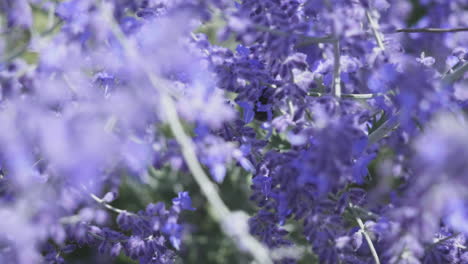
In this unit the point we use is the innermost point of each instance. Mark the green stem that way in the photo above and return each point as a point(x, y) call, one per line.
point(190, 156)
point(442, 240)
point(77, 218)
point(375, 30)
point(108, 206)
point(303, 39)
point(336, 84)
point(55, 26)
point(431, 30)
point(381, 132)
point(456, 74)
point(353, 96)
point(366, 236)
point(221, 212)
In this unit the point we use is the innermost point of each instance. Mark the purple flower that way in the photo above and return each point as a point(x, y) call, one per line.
point(184, 201)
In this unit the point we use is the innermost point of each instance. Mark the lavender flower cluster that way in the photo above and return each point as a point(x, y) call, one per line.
point(347, 118)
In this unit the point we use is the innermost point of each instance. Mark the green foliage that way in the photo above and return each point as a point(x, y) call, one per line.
point(205, 239)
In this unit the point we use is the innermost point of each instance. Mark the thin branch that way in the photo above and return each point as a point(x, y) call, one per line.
point(385, 129)
point(292, 252)
point(456, 74)
point(108, 206)
point(336, 84)
point(442, 240)
point(221, 211)
point(51, 29)
point(68, 220)
point(77, 218)
point(304, 40)
point(431, 30)
point(190, 156)
point(353, 96)
point(375, 30)
point(366, 235)
point(369, 241)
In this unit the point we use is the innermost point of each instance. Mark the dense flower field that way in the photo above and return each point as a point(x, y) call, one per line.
point(234, 131)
